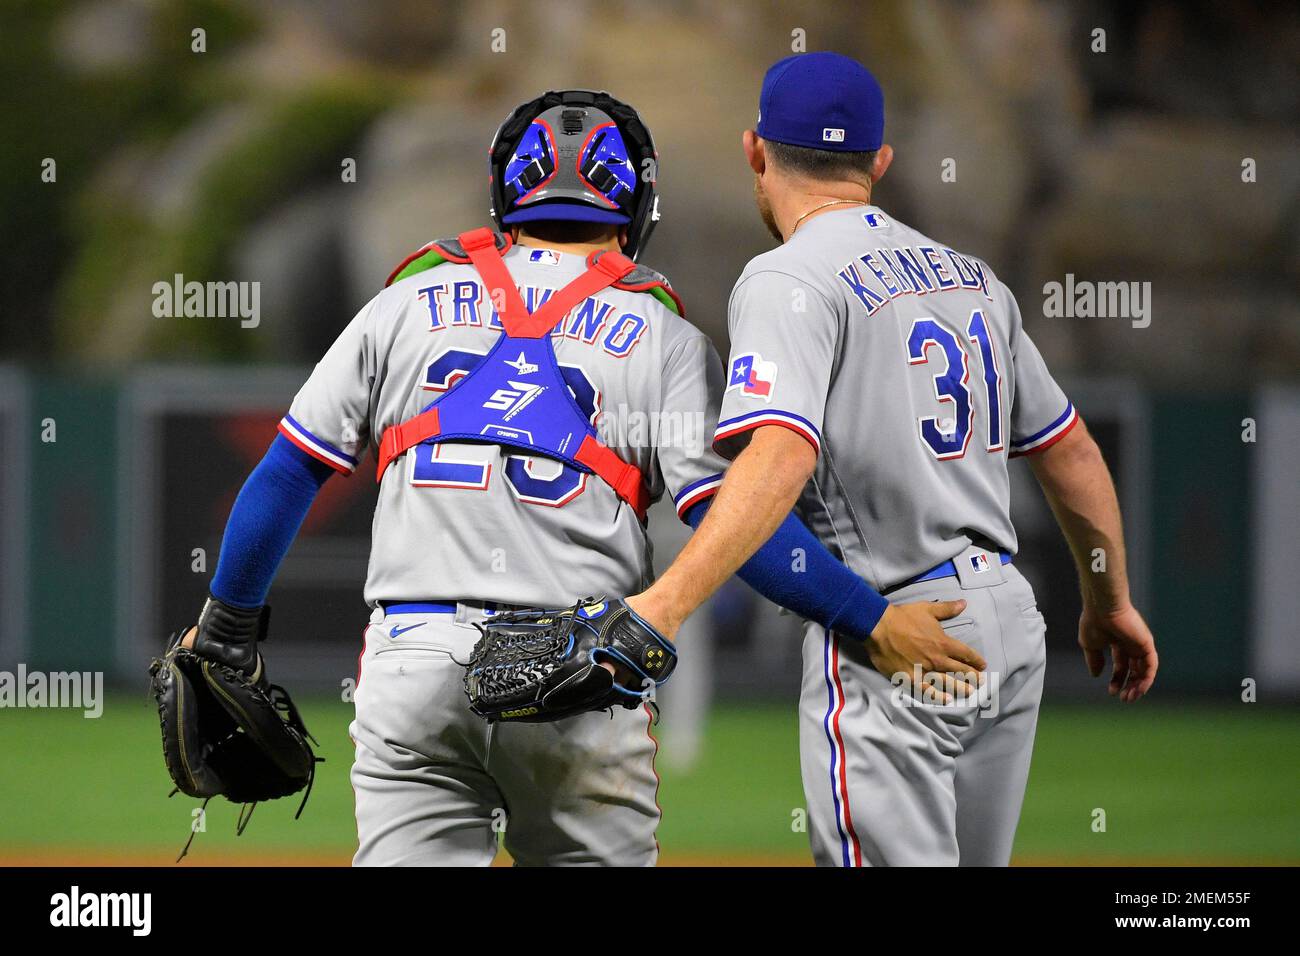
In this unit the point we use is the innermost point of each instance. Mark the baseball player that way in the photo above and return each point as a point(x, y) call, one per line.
point(882, 380)
point(478, 376)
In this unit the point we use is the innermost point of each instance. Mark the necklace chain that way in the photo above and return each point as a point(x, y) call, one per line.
point(833, 202)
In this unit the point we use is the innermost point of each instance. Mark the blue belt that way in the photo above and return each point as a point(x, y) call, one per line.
point(418, 608)
point(946, 570)
point(436, 607)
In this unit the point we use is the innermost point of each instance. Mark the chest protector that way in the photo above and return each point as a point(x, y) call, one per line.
point(516, 396)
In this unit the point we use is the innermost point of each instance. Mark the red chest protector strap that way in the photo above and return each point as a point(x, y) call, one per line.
point(603, 271)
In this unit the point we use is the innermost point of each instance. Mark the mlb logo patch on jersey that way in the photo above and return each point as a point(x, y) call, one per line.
point(832, 134)
point(545, 256)
point(875, 220)
point(752, 376)
point(979, 562)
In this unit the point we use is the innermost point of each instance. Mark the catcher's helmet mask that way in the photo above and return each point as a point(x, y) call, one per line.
point(575, 155)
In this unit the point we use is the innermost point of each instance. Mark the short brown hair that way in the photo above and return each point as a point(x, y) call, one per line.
point(568, 230)
point(821, 163)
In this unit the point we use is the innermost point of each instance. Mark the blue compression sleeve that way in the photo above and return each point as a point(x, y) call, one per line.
point(264, 521)
point(826, 591)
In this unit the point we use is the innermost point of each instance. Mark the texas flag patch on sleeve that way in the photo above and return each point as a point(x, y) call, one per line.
point(752, 376)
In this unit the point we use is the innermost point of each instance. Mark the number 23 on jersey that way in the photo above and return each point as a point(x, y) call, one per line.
point(533, 479)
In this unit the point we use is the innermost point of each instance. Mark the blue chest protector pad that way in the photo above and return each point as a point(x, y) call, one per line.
point(516, 396)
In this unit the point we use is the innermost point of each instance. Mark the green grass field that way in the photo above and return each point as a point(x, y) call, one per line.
point(1177, 786)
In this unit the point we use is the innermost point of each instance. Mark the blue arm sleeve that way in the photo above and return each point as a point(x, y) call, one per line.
point(825, 591)
point(264, 521)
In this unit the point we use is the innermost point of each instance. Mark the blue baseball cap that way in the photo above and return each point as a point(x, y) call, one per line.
point(822, 101)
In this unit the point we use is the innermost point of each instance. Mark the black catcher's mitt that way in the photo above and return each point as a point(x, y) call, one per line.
point(226, 730)
point(534, 666)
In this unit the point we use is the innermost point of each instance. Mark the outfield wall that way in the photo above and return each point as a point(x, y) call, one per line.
point(112, 523)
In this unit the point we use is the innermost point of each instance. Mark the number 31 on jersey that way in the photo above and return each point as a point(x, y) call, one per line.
point(926, 340)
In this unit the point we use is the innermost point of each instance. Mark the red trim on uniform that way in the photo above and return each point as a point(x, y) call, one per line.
point(578, 164)
point(407, 261)
point(649, 732)
point(558, 503)
point(695, 499)
point(303, 446)
point(844, 756)
point(654, 284)
point(555, 161)
point(1051, 441)
point(750, 426)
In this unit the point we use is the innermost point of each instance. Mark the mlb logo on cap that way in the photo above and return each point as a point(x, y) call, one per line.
point(980, 562)
point(832, 135)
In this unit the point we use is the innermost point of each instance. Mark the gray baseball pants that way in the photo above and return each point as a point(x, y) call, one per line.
point(893, 780)
point(436, 785)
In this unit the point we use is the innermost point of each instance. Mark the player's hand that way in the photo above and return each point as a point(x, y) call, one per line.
point(1132, 648)
point(622, 673)
point(909, 635)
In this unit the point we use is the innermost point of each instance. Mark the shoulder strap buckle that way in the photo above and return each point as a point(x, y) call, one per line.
point(613, 264)
point(477, 239)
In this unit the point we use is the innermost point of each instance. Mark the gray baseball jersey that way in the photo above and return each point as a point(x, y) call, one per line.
point(477, 521)
point(905, 364)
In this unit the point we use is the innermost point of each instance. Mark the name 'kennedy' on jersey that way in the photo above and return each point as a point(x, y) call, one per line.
point(880, 275)
point(593, 321)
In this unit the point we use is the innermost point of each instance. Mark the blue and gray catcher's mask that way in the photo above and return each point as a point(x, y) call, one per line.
point(576, 155)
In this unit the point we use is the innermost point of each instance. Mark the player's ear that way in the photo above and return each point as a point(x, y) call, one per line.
point(754, 154)
point(884, 156)
point(622, 237)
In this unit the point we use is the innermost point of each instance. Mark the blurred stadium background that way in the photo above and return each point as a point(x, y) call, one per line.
point(229, 165)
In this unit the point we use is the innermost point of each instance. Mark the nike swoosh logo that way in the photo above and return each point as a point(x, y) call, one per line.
point(399, 631)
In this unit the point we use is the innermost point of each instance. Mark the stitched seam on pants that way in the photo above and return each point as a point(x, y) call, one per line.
point(1002, 638)
point(649, 732)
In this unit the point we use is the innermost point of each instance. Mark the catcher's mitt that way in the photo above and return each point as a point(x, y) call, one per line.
point(226, 730)
point(534, 666)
